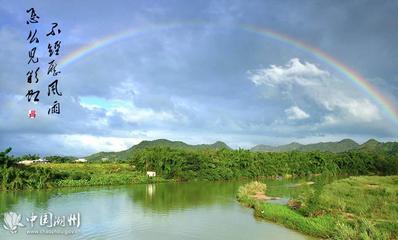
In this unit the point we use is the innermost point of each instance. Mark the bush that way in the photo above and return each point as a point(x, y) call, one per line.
point(251, 189)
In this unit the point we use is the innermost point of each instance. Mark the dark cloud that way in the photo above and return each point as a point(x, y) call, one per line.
point(188, 78)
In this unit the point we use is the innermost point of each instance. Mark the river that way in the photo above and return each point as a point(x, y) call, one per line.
point(195, 210)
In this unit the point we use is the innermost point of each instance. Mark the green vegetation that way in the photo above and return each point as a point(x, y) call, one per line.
point(29, 157)
point(60, 159)
point(225, 164)
point(180, 161)
point(37, 176)
point(95, 174)
point(185, 162)
point(363, 207)
point(17, 177)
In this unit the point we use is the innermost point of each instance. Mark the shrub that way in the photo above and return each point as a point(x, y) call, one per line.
point(251, 189)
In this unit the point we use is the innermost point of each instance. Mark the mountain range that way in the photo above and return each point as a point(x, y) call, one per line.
point(341, 146)
point(152, 144)
point(336, 147)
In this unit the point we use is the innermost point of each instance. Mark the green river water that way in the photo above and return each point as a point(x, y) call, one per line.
point(195, 210)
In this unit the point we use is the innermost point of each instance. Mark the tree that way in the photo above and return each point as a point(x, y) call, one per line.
point(6, 160)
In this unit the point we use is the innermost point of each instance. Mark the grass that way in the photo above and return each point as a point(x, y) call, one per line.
point(369, 197)
point(363, 207)
point(95, 174)
point(252, 188)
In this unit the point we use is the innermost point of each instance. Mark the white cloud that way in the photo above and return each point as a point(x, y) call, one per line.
point(322, 92)
point(91, 144)
point(294, 72)
point(295, 113)
point(129, 112)
point(360, 109)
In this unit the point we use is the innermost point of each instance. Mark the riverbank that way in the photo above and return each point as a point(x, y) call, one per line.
point(57, 175)
point(97, 174)
point(363, 207)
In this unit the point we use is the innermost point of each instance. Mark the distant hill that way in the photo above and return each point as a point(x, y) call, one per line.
point(336, 147)
point(164, 143)
point(178, 145)
point(341, 146)
point(372, 145)
point(282, 148)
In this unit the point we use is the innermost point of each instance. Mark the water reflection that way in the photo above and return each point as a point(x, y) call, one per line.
point(196, 210)
point(164, 197)
point(150, 189)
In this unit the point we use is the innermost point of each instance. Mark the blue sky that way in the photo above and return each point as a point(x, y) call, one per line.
point(194, 74)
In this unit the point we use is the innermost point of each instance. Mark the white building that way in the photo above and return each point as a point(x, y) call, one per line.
point(81, 160)
point(30, 162)
point(26, 162)
point(40, 161)
point(151, 174)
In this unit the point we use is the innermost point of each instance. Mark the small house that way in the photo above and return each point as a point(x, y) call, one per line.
point(151, 174)
point(30, 162)
point(81, 160)
point(40, 161)
point(26, 162)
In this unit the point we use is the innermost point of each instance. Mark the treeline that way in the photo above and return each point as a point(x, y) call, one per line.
point(60, 173)
point(225, 164)
point(209, 164)
point(56, 159)
point(60, 159)
point(13, 176)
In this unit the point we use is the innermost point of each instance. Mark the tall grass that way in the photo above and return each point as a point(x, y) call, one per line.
point(70, 175)
point(97, 174)
point(17, 178)
point(353, 208)
point(251, 189)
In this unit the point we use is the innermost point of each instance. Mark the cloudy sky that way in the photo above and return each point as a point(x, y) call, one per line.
point(194, 71)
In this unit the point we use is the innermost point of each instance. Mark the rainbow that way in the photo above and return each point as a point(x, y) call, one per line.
point(117, 37)
point(359, 81)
